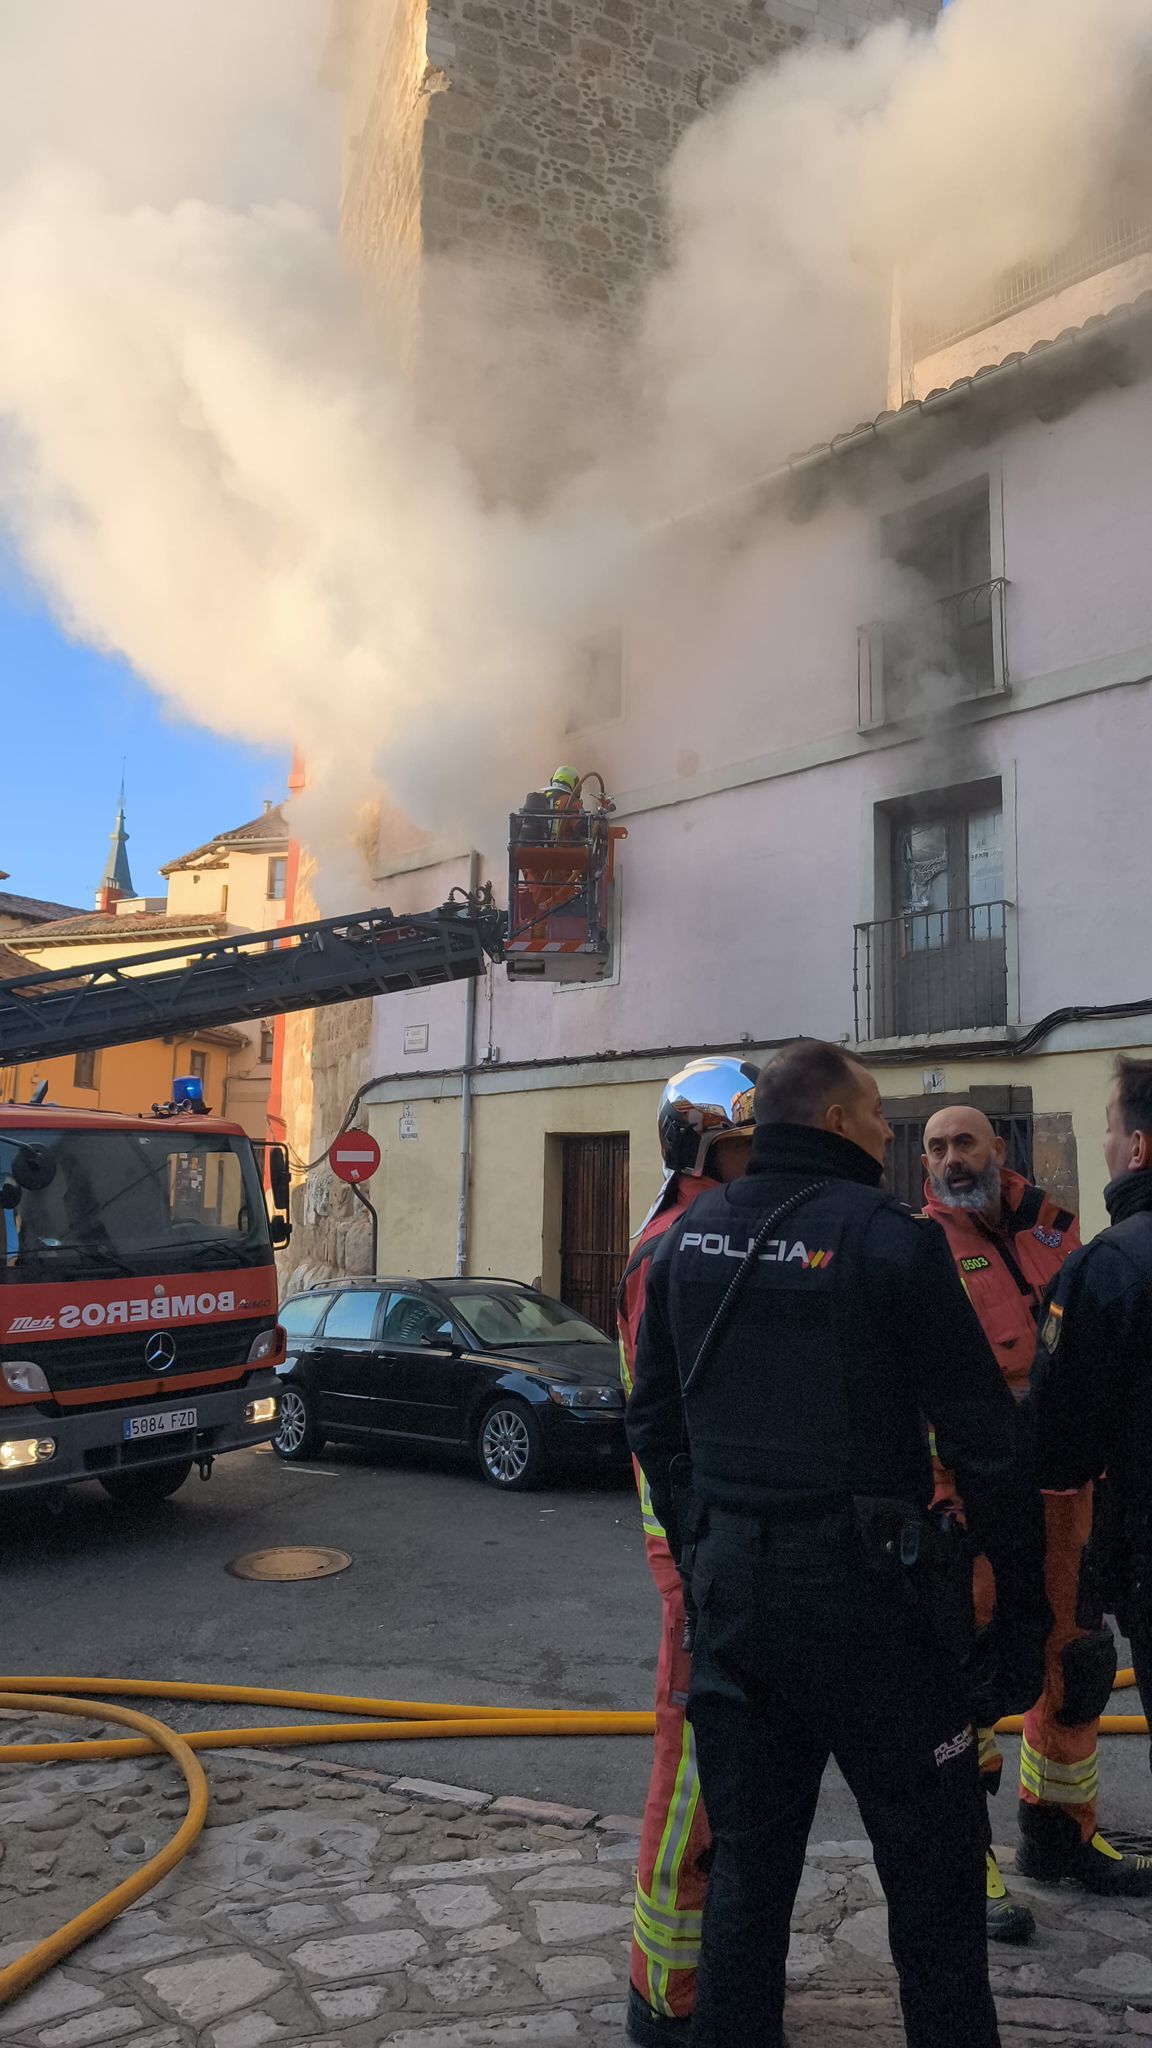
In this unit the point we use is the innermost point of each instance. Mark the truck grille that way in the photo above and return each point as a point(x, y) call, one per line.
point(76, 1362)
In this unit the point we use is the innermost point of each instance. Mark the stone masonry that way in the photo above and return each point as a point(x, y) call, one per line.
point(335, 1907)
point(543, 128)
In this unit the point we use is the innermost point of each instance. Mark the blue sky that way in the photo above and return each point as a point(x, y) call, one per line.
point(67, 718)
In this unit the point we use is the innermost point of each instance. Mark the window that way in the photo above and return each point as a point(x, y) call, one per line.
point(278, 878)
point(84, 1070)
point(353, 1314)
point(939, 961)
point(413, 1319)
point(224, 900)
point(146, 1197)
point(506, 1317)
point(300, 1318)
point(946, 543)
point(267, 1044)
point(948, 865)
point(198, 1064)
point(944, 641)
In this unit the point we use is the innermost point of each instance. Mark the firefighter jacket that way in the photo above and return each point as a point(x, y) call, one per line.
point(853, 1326)
point(1008, 1270)
point(1091, 1399)
point(678, 1197)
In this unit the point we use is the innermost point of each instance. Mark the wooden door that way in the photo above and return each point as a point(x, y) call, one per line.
point(594, 1225)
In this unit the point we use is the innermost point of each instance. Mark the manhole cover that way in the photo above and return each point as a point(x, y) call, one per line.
point(292, 1561)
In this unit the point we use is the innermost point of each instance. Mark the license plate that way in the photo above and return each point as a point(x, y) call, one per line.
point(166, 1424)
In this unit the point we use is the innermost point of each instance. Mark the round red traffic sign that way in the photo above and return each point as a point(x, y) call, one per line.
point(354, 1156)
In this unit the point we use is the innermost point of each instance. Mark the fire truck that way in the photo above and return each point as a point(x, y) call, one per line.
point(138, 1304)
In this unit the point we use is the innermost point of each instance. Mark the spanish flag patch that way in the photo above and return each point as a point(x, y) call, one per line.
point(1050, 1334)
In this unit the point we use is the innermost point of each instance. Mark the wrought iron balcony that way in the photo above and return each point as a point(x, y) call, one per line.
point(943, 653)
point(932, 971)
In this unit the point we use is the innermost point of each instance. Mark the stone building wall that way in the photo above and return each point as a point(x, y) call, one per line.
point(545, 126)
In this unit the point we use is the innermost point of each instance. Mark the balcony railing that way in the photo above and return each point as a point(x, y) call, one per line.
point(1099, 249)
point(932, 971)
point(941, 654)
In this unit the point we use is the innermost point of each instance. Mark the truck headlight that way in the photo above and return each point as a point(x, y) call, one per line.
point(26, 1450)
point(587, 1397)
point(266, 1345)
point(264, 1410)
point(24, 1376)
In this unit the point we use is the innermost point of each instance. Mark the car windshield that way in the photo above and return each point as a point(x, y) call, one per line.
point(503, 1317)
point(92, 1202)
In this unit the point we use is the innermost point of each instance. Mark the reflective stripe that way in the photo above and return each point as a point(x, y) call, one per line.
point(648, 1516)
point(1059, 1784)
point(667, 1935)
point(647, 1512)
point(989, 1754)
point(679, 1923)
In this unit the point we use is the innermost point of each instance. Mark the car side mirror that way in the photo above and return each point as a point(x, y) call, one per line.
point(9, 1195)
point(279, 1230)
point(440, 1340)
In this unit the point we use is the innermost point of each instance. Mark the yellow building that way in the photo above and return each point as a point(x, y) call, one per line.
point(235, 882)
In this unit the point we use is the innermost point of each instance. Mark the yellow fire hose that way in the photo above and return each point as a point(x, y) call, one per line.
point(388, 1721)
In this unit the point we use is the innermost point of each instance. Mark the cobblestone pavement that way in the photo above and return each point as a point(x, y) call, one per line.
point(338, 1907)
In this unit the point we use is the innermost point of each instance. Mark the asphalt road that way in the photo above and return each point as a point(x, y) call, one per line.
point(456, 1593)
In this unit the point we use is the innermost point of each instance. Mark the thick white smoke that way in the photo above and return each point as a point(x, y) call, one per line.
point(214, 466)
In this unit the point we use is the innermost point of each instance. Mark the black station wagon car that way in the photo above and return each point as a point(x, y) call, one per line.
point(488, 1367)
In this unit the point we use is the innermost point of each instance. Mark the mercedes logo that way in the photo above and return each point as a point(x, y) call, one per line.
point(160, 1351)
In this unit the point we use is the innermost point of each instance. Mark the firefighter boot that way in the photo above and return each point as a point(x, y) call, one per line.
point(1053, 1852)
point(1004, 1918)
point(650, 2029)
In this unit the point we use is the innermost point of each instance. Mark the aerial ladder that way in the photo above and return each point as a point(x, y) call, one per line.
point(558, 927)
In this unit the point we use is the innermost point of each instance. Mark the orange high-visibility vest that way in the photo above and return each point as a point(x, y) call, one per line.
point(1007, 1271)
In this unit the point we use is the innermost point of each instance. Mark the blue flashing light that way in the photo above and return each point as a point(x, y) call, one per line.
point(188, 1088)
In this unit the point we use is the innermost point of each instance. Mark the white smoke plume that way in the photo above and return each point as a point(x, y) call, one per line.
point(214, 465)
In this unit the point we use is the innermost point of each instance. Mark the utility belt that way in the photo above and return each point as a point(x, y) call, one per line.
point(926, 1557)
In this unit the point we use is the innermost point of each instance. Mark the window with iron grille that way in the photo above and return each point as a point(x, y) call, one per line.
point(944, 641)
point(939, 962)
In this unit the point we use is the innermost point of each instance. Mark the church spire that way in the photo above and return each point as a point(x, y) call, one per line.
point(116, 879)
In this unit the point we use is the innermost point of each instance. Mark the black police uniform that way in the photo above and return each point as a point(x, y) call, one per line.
point(810, 1477)
point(1091, 1404)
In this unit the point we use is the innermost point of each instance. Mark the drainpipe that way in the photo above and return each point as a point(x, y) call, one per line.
point(466, 1095)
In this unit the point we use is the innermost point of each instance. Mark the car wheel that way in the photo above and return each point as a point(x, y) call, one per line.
point(510, 1446)
point(297, 1436)
point(148, 1487)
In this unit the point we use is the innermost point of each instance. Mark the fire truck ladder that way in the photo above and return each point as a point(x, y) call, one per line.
point(246, 978)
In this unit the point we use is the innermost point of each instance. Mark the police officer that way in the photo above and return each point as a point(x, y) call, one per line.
point(1092, 1406)
point(800, 1324)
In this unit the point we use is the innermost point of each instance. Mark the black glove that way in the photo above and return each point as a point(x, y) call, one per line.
point(1005, 1671)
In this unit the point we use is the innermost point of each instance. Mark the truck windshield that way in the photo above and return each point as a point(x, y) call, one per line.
point(118, 1202)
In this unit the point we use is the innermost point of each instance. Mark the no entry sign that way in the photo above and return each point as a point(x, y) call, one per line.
point(354, 1157)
